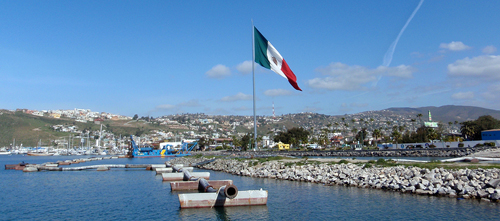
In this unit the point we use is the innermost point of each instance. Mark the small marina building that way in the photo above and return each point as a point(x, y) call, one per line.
point(490, 134)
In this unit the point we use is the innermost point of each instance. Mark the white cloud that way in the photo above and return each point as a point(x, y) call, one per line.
point(218, 71)
point(277, 92)
point(486, 66)
point(492, 92)
point(165, 107)
point(245, 67)
point(345, 77)
point(191, 103)
point(463, 95)
point(454, 46)
point(238, 97)
point(490, 49)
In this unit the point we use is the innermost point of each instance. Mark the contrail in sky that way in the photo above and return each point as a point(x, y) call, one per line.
point(388, 55)
point(390, 51)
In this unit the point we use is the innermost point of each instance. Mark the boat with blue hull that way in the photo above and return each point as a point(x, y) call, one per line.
point(166, 151)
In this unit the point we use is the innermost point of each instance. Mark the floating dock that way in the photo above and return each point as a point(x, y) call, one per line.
point(244, 198)
point(194, 185)
point(214, 193)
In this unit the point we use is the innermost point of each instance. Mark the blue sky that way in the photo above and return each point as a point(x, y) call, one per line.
point(165, 57)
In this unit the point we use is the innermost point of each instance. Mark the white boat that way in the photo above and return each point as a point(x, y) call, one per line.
point(40, 154)
point(5, 153)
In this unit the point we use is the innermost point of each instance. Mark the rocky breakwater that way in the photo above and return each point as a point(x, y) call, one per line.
point(481, 184)
point(429, 152)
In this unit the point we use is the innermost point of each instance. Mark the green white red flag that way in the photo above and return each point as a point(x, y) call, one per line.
point(267, 56)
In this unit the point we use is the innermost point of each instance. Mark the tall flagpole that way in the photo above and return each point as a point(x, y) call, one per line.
point(253, 76)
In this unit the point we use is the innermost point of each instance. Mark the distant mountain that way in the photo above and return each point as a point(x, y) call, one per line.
point(447, 113)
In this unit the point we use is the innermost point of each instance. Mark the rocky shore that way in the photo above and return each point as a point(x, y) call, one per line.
point(428, 152)
point(483, 184)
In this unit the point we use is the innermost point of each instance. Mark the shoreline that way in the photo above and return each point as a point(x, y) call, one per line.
point(480, 184)
point(429, 152)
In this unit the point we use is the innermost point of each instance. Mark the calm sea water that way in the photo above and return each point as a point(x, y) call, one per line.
point(137, 194)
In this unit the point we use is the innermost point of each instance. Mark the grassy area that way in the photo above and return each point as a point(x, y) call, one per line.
point(371, 163)
point(367, 164)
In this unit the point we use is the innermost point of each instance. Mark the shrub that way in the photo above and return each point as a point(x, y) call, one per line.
point(343, 161)
point(490, 144)
point(367, 165)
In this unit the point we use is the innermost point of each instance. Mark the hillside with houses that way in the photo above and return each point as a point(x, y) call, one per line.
point(75, 127)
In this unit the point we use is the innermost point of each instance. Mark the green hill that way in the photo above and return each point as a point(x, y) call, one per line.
point(448, 113)
point(30, 129)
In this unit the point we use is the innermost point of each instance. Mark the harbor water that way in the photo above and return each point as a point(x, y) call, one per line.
point(137, 194)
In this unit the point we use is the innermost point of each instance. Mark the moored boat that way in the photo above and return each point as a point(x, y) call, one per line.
point(39, 154)
point(5, 153)
point(166, 151)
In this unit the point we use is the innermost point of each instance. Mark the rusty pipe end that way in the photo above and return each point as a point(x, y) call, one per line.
point(231, 191)
point(207, 189)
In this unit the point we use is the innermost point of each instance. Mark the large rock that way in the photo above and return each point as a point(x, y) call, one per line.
point(495, 196)
point(494, 183)
point(482, 193)
point(410, 189)
point(429, 176)
point(448, 177)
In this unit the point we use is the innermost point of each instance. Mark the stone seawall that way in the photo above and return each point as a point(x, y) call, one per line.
point(481, 184)
point(431, 152)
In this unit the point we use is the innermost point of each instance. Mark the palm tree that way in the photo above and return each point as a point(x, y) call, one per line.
point(292, 141)
point(467, 129)
point(354, 129)
point(401, 128)
point(420, 117)
point(259, 139)
point(376, 133)
point(324, 136)
point(396, 135)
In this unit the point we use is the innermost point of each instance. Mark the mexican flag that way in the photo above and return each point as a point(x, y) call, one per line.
point(267, 56)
